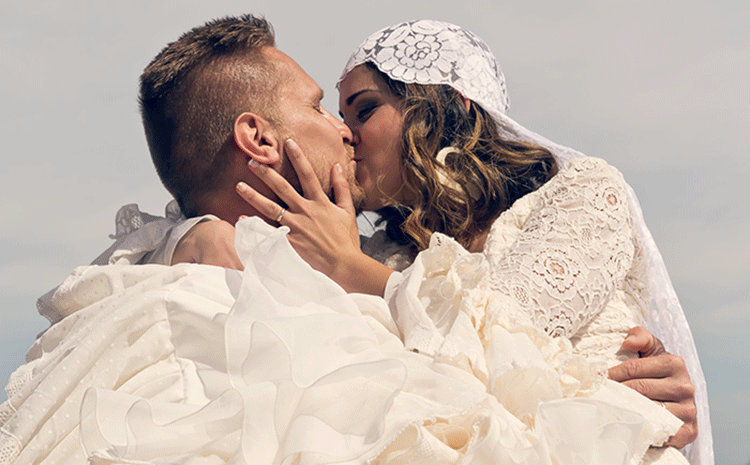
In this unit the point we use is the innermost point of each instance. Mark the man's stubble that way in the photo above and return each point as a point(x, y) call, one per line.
point(358, 196)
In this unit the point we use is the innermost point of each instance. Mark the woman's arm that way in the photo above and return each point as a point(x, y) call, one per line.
point(561, 253)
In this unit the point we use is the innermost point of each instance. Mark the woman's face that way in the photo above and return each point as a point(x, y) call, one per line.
point(375, 116)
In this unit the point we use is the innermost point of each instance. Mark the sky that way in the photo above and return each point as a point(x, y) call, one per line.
point(659, 89)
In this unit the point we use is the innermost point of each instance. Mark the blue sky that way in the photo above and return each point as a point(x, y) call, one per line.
point(658, 89)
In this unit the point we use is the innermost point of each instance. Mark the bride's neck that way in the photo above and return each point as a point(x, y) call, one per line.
point(477, 244)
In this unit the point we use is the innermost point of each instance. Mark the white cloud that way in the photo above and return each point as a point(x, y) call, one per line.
point(730, 318)
point(30, 278)
point(730, 429)
point(713, 255)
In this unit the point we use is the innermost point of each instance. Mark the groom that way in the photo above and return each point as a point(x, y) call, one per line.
point(219, 97)
point(223, 96)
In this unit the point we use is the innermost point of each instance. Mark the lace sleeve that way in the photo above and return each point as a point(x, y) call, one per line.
point(570, 253)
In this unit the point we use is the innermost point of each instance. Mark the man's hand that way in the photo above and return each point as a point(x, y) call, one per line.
point(663, 378)
point(208, 243)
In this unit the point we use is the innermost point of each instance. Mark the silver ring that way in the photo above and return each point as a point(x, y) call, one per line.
point(281, 215)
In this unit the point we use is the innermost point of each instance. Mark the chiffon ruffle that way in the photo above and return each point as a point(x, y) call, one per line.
point(195, 364)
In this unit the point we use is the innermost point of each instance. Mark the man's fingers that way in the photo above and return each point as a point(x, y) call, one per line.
point(640, 340)
point(661, 377)
point(663, 389)
point(687, 433)
point(660, 366)
point(685, 411)
point(307, 178)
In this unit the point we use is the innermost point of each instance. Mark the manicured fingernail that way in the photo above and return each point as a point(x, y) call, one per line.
point(253, 164)
point(241, 186)
point(290, 143)
point(338, 167)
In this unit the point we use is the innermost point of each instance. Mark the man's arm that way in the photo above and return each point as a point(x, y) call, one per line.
point(663, 378)
point(209, 243)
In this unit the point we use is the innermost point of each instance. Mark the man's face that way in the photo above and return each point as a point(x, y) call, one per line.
point(322, 137)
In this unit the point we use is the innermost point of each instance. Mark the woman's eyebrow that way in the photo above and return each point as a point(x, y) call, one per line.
point(351, 98)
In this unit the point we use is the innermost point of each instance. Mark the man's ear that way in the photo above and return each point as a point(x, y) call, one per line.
point(254, 135)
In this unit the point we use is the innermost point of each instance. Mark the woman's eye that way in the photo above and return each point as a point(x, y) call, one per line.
point(365, 112)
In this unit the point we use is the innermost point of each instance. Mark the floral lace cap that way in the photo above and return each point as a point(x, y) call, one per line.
point(434, 52)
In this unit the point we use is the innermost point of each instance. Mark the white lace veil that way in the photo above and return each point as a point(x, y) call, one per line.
point(434, 52)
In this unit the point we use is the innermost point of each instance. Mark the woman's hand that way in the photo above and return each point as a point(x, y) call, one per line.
point(324, 234)
point(663, 378)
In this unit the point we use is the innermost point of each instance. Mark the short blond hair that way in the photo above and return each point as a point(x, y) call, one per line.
point(192, 92)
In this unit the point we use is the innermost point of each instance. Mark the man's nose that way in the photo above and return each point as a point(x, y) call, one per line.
point(344, 130)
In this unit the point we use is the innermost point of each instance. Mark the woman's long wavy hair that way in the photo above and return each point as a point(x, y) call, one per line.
point(485, 174)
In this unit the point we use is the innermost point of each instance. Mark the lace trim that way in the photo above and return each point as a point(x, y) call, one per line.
point(18, 380)
point(10, 447)
point(130, 218)
point(6, 412)
point(434, 52)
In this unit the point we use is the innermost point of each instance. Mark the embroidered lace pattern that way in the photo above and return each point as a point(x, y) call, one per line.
point(10, 447)
point(130, 218)
point(433, 52)
point(6, 412)
point(566, 247)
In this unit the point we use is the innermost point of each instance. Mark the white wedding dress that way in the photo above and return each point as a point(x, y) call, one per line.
point(194, 364)
point(564, 260)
